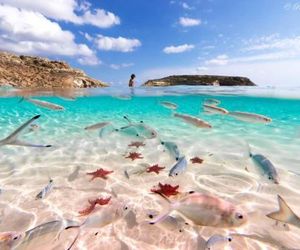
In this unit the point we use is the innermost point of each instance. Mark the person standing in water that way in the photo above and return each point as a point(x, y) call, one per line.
point(131, 80)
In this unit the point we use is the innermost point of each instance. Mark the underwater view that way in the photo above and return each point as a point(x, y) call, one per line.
point(150, 168)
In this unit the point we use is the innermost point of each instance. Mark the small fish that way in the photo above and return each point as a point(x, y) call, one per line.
point(45, 191)
point(214, 110)
point(9, 240)
point(193, 120)
point(217, 241)
point(213, 102)
point(179, 167)
point(74, 175)
point(106, 130)
point(170, 223)
point(169, 105)
point(45, 104)
point(106, 217)
point(166, 189)
point(13, 140)
point(266, 167)
point(172, 148)
point(97, 126)
point(205, 210)
point(140, 169)
point(250, 117)
point(285, 214)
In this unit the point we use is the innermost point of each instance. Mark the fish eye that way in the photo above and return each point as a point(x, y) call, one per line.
point(229, 239)
point(186, 223)
point(176, 173)
point(15, 238)
point(125, 208)
point(162, 143)
point(150, 216)
point(191, 192)
point(270, 178)
point(239, 216)
point(180, 231)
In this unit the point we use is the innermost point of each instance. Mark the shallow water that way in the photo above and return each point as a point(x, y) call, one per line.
point(227, 171)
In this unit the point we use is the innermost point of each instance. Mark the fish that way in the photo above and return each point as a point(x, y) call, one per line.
point(205, 210)
point(106, 130)
point(9, 240)
point(218, 241)
point(106, 217)
point(97, 126)
point(139, 169)
point(193, 120)
point(178, 167)
point(213, 102)
point(13, 140)
point(171, 223)
point(169, 105)
point(285, 214)
point(266, 167)
point(45, 191)
point(74, 175)
point(250, 117)
point(172, 148)
point(139, 129)
point(214, 110)
point(45, 104)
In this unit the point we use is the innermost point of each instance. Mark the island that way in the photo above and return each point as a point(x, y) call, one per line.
point(195, 80)
point(22, 71)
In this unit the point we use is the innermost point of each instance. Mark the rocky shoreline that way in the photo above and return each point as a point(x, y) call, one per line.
point(37, 72)
point(195, 80)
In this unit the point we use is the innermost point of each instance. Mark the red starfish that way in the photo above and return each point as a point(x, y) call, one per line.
point(136, 144)
point(134, 155)
point(100, 173)
point(166, 189)
point(93, 204)
point(155, 168)
point(196, 160)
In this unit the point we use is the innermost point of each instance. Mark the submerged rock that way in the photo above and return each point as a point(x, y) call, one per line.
point(37, 72)
point(200, 80)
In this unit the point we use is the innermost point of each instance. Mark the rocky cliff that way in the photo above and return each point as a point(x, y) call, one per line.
point(200, 80)
point(36, 72)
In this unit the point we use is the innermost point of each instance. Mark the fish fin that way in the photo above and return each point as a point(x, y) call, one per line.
point(27, 144)
point(164, 197)
point(161, 217)
point(127, 119)
point(76, 237)
point(13, 136)
point(284, 214)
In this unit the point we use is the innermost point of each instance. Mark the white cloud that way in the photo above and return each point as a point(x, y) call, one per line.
point(90, 61)
point(29, 32)
point(178, 49)
point(67, 10)
point(186, 6)
point(116, 44)
point(188, 22)
point(120, 66)
point(219, 60)
point(292, 6)
point(201, 69)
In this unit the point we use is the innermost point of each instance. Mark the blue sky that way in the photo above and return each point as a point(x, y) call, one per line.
point(110, 39)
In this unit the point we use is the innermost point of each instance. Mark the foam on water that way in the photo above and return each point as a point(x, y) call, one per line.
point(226, 172)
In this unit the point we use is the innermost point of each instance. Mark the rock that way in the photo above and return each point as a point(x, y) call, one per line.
point(37, 72)
point(200, 80)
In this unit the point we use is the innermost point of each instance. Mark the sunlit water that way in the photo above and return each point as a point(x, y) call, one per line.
point(227, 171)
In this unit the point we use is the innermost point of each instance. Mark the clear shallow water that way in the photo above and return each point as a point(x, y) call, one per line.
point(25, 171)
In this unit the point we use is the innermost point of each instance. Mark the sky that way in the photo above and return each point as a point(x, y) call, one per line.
point(111, 39)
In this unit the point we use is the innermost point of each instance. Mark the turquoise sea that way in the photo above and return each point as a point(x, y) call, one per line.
point(227, 171)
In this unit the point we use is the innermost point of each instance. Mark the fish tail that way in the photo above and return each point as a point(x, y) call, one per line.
point(284, 214)
point(163, 215)
point(75, 239)
point(127, 119)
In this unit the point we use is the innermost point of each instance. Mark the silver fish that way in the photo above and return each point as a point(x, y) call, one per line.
point(45, 191)
point(250, 117)
point(178, 167)
point(45, 104)
point(214, 110)
point(169, 105)
point(193, 120)
point(217, 241)
point(213, 102)
point(107, 130)
point(266, 166)
point(285, 214)
point(97, 126)
point(172, 148)
point(12, 139)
